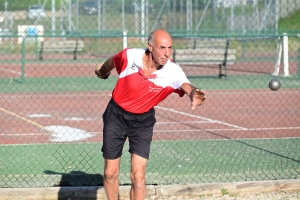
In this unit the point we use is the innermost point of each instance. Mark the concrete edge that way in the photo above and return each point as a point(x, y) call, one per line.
point(97, 192)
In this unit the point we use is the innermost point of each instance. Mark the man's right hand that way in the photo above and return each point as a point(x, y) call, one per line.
point(99, 74)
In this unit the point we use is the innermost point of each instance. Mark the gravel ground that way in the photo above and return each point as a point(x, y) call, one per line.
point(254, 196)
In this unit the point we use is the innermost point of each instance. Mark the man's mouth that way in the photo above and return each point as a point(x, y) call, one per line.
point(164, 60)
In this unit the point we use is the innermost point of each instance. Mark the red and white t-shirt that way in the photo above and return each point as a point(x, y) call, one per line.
point(137, 93)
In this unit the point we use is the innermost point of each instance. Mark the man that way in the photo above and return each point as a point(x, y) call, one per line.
point(146, 77)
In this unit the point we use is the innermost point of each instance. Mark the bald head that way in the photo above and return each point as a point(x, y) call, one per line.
point(158, 34)
point(160, 46)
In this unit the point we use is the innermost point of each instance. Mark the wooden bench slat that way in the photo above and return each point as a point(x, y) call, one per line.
point(203, 57)
point(207, 62)
point(204, 51)
point(61, 46)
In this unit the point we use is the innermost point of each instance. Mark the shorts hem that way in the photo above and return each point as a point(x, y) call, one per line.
point(140, 154)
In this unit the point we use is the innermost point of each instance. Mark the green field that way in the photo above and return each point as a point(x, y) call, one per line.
point(201, 161)
point(85, 84)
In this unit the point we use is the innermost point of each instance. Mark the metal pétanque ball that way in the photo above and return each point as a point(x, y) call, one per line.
point(274, 84)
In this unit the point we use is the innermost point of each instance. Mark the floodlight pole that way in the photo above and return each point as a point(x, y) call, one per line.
point(123, 15)
point(53, 18)
point(136, 17)
point(143, 20)
point(276, 15)
point(188, 16)
point(5, 6)
point(5, 11)
point(99, 16)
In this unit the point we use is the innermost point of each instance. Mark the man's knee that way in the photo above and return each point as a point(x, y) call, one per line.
point(138, 178)
point(111, 174)
point(111, 171)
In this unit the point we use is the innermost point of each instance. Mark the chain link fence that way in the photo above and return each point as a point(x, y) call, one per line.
point(52, 103)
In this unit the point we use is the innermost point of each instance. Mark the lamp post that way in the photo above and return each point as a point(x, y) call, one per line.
point(5, 14)
point(53, 18)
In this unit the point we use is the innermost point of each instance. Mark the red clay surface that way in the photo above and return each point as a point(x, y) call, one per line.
point(226, 115)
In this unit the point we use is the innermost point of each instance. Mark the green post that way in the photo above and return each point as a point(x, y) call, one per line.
point(243, 48)
point(299, 64)
point(23, 60)
point(36, 47)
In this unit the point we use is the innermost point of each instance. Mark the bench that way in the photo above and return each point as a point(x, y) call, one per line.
point(206, 52)
point(61, 46)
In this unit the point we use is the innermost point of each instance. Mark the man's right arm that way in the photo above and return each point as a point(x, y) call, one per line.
point(103, 71)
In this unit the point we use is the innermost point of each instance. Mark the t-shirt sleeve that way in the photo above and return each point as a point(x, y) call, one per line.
point(180, 79)
point(120, 60)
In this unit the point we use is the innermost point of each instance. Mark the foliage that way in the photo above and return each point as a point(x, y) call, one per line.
point(290, 22)
point(14, 5)
point(224, 192)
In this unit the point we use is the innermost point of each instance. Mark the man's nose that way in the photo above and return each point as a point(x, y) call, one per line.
point(168, 52)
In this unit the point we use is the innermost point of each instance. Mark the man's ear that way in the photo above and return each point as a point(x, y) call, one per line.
point(149, 47)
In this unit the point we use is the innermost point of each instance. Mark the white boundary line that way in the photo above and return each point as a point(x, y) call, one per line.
point(226, 129)
point(11, 71)
point(170, 131)
point(203, 118)
point(186, 122)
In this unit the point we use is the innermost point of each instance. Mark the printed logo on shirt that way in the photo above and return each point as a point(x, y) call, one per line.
point(133, 66)
point(154, 89)
point(151, 76)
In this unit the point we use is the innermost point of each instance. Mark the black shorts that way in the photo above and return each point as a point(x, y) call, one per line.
point(120, 125)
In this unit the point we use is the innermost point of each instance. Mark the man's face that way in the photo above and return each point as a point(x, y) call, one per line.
point(162, 48)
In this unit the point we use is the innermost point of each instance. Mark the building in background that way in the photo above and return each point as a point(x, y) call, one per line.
point(228, 3)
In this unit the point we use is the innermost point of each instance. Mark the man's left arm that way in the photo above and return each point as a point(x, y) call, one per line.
point(196, 95)
point(103, 71)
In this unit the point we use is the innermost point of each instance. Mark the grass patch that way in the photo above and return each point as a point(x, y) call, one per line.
point(170, 162)
point(86, 84)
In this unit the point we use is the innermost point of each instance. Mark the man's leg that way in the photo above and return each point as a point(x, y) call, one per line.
point(111, 178)
point(138, 177)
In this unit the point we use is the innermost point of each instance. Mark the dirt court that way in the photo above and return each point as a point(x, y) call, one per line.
point(37, 117)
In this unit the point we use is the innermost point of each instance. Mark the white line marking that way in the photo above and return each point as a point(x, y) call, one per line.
point(11, 71)
point(228, 129)
point(191, 122)
point(278, 128)
point(67, 134)
point(39, 115)
point(203, 118)
point(170, 131)
point(77, 119)
point(22, 118)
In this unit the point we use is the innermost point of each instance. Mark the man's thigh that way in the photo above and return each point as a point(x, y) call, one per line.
point(114, 133)
point(138, 165)
point(140, 136)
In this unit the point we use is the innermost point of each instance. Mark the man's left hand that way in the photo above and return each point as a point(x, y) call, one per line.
point(197, 97)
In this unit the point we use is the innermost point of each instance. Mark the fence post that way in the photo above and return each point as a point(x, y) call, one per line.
point(23, 60)
point(299, 64)
point(124, 39)
point(286, 55)
point(36, 47)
